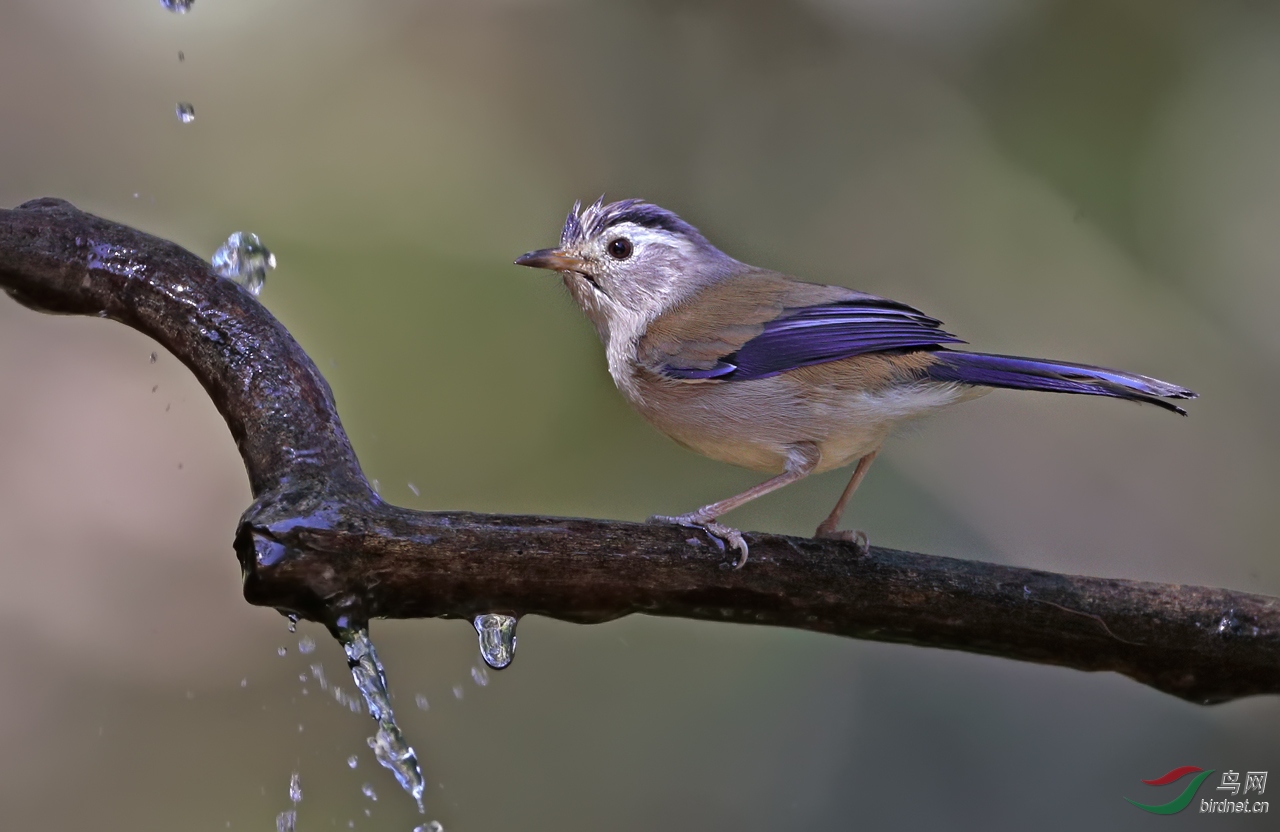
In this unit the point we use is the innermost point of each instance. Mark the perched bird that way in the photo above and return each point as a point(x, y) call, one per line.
point(762, 370)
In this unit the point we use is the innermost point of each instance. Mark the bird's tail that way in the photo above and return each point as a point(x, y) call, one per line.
point(1018, 373)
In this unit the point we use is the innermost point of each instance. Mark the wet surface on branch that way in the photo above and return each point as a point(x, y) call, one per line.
point(318, 541)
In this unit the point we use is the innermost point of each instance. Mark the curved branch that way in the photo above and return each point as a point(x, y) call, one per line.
point(318, 541)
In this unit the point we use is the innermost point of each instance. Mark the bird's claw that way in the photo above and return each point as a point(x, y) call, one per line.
point(857, 537)
point(721, 533)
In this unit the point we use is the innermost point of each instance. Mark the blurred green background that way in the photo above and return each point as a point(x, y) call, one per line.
point(1092, 180)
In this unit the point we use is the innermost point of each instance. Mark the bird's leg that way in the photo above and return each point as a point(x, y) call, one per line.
point(801, 461)
point(827, 528)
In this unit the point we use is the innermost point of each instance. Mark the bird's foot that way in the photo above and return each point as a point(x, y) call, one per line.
point(722, 533)
point(857, 537)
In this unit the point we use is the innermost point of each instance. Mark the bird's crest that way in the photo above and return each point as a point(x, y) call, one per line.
point(581, 224)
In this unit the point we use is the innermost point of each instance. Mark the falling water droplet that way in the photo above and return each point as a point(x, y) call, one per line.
point(186, 112)
point(281, 651)
point(154, 357)
point(295, 789)
point(353, 761)
point(293, 623)
point(421, 701)
point(388, 744)
point(245, 260)
point(457, 691)
point(178, 6)
point(434, 826)
point(415, 490)
point(306, 644)
point(287, 821)
point(497, 639)
point(369, 792)
point(480, 676)
point(182, 56)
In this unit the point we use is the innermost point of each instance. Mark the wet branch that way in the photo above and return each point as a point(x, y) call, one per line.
point(319, 543)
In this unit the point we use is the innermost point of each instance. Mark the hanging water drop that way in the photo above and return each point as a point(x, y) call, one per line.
point(293, 623)
point(186, 112)
point(497, 639)
point(245, 260)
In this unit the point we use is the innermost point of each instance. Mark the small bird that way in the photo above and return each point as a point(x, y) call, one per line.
point(759, 369)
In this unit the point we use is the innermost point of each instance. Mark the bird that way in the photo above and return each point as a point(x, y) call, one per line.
point(762, 370)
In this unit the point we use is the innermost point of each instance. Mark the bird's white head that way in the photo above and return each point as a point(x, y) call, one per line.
point(627, 262)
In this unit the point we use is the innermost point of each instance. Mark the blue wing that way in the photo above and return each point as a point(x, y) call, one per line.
point(822, 333)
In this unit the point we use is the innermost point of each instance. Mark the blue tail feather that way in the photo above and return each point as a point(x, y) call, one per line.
point(1019, 373)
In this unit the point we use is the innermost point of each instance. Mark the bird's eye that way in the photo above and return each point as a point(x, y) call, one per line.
point(620, 248)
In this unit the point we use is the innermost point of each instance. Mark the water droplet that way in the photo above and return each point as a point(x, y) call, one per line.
point(415, 490)
point(281, 651)
point(186, 112)
point(369, 792)
point(434, 826)
point(388, 744)
point(421, 701)
point(244, 683)
point(178, 6)
point(497, 639)
point(287, 821)
point(153, 355)
point(245, 260)
point(457, 691)
point(302, 677)
point(293, 623)
point(353, 761)
point(377, 487)
point(181, 56)
point(317, 673)
point(480, 676)
point(295, 789)
point(306, 644)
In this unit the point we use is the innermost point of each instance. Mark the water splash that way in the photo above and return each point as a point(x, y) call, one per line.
point(497, 635)
point(186, 112)
point(388, 744)
point(287, 821)
point(245, 260)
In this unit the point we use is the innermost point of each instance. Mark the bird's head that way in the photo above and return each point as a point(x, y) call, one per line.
point(629, 260)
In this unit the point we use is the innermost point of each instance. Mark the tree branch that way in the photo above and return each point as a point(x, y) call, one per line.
point(318, 541)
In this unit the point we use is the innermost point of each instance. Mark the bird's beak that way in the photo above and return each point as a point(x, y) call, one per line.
point(554, 259)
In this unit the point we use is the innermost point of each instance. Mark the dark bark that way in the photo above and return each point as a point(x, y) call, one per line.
point(319, 543)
